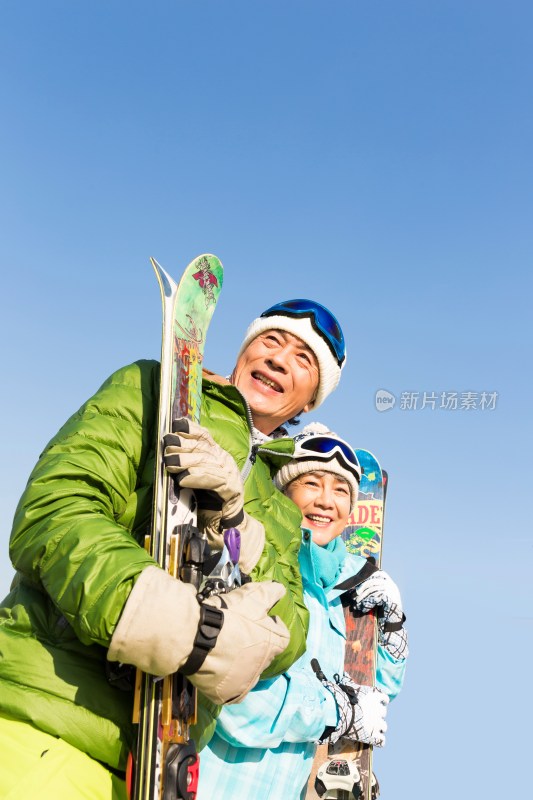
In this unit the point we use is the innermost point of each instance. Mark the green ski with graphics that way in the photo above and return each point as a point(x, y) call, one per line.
point(164, 765)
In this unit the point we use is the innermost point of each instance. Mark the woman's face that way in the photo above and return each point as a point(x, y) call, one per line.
point(324, 500)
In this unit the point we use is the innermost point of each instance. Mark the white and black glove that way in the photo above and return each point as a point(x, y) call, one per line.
point(361, 711)
point(379, 592)
point(223, 645)
point(197, 462)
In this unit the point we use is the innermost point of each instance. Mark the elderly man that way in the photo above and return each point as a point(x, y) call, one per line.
point(86, 591)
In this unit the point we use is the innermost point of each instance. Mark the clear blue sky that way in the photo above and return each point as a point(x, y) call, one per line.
point(374, 155)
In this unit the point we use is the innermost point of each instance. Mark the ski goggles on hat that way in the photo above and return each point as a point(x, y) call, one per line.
point(321, 319)
point(326, 448)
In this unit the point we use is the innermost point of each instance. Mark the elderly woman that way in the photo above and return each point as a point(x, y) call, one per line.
point(264, 746)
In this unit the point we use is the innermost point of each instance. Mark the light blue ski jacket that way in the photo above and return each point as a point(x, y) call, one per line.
point(264, 747)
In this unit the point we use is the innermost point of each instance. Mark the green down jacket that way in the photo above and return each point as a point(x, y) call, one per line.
point(76, 547)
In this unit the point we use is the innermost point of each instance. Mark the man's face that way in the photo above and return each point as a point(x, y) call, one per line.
point(278, 375)
point(324, 500)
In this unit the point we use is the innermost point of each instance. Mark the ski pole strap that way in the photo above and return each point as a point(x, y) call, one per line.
point(350, 584)
point(209, 627)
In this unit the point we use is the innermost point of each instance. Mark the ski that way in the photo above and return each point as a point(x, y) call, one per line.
point(165, 764)
point(344, 771)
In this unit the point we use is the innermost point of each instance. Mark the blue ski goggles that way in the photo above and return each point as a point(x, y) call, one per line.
point(321, 319)
point(326, 448)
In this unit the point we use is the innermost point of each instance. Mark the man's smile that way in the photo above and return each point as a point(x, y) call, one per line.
point(262, 378)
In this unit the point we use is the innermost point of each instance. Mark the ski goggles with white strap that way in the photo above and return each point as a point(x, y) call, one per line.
point(321, 319)
point(325, 448)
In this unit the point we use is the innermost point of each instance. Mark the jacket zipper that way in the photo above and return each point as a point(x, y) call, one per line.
point(252, 448)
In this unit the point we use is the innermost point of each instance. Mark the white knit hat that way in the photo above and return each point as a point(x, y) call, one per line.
point(306, 461)
point(301, 326)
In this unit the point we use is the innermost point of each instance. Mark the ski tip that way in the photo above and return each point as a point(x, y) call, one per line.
point(166, 283)
point(210, 258)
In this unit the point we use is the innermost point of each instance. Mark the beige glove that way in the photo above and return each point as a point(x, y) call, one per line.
point(251, 637)
point(159, 623)
point(197, 462)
